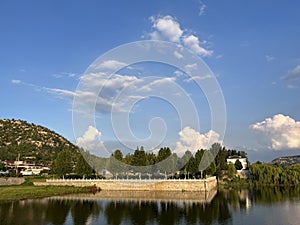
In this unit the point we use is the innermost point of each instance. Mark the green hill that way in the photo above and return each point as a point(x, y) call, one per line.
point(30, 141)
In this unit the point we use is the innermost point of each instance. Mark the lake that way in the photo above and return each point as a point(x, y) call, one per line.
point(262, 206)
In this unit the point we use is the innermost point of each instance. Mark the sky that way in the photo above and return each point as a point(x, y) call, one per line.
point(219, 71)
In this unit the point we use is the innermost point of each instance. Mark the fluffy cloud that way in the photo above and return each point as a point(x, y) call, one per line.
point(167, 28)
point(282, 131)
point(91, 140)
point(192, 42)
point(192, 140)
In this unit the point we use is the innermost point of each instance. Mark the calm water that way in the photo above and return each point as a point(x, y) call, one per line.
point(267, 206)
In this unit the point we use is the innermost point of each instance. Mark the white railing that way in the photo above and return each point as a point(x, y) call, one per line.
point(128, 180)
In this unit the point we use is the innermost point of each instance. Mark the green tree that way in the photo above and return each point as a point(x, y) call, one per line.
point(139, 158)
point(231, 172)
point(2, 167)
point(82, 167)
point(184, 159)
point(163, 153)
point(211, 169)
point(192, 166)
point(63, 163)
point(118, 155)
point(151, 158)
point(238, 165)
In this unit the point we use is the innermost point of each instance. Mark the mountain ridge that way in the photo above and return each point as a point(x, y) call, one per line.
point(28, 140)
point(287, 160)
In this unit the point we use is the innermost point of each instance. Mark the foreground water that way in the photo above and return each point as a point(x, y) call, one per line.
point(262, 206)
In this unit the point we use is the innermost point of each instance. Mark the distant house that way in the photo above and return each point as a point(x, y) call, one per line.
point(232, 159)
point(26, 168)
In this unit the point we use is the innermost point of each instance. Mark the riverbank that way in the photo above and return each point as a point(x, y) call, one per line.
point(29, 191)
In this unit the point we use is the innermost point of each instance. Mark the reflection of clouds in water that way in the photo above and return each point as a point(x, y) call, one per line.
point(265, 213)
point(290, 212)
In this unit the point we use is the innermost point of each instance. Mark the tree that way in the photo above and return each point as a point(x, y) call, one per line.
point(2, 167)
point(163, 153)
point(184, 160)
point(139, 158)
point(168, 165)
point(192, 166)
point(211, 169)
point(238, 165)
point(63, 163)
point(82, 167)
point(118, 155)
point(151, 158)
point(231, 170)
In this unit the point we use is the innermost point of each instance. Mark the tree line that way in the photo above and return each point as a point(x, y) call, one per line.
point(266, 174)
point(204, 162)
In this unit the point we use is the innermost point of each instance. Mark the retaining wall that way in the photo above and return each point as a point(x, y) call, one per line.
point(11, 181)
point(139, 185)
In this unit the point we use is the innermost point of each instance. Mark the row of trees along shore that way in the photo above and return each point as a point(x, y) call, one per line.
point(142, 162)
point(171, 165)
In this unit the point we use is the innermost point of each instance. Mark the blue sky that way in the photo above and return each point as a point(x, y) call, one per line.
point(252, 47)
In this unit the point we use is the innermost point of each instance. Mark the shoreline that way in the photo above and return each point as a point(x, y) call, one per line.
point(22, 192)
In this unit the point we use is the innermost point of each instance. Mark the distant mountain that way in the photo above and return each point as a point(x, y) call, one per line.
point(287, 160)
point(31, 142)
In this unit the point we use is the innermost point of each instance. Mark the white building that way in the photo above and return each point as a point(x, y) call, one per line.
point(233, 158)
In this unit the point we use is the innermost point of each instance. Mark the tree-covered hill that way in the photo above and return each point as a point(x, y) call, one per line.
point(18, 137)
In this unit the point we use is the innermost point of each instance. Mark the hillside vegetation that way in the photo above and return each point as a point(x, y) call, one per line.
point(18, 137)
point(287, 160)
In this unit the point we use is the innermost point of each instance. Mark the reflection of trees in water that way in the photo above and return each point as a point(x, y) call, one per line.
point(56, 211)
point(23, 212)
point(82, 210)
point(272, 195)
point(167, 213)
point(45, 211)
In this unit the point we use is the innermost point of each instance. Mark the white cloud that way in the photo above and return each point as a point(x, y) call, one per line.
point(91, 140)
point(178, 73)
point(178, 55)
point(111, 65)
point(202, 8)
point(192, 140)
point(283, 132)
point(60, 92)
point(269, 58)
point(64, 74)
point(190, 67)
point(293, 74)
point(192, 42)
point(157, 84)
point(166, 28)
point(16, 81)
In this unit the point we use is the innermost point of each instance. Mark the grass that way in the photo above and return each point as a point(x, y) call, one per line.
point(28, 191)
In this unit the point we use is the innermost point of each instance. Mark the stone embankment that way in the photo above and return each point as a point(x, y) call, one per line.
point(11, 181)
point(203, 185)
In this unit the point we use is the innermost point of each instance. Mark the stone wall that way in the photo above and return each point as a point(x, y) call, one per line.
point(11, 181)
point(140, 185)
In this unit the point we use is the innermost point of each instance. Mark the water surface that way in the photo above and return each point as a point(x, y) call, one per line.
point(264, 206)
